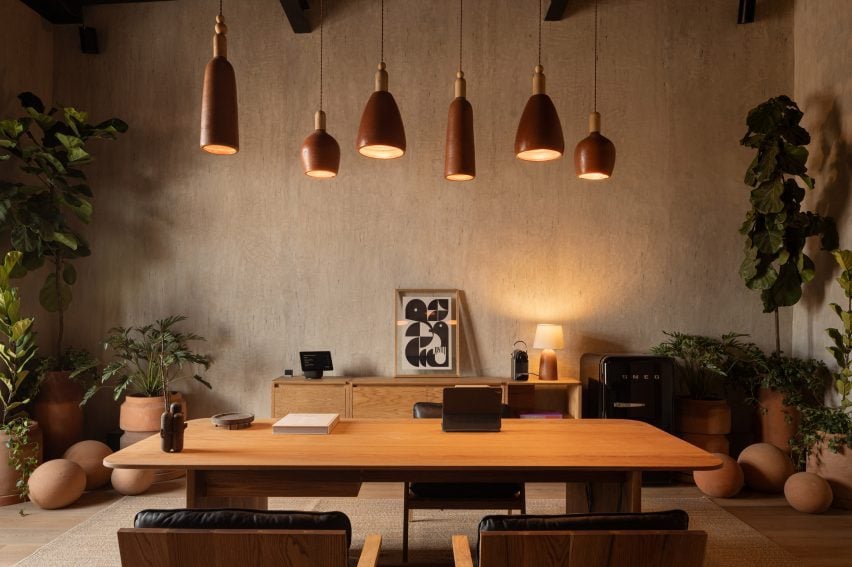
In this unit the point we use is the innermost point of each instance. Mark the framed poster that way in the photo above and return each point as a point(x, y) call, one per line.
point(426, 342)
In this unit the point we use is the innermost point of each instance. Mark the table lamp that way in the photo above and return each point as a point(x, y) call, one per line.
point(548, 337)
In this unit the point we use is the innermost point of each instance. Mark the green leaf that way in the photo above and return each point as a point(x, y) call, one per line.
point(763, 281)
point(69, 274)
point(66, 238)
point(78, 155)
point(11, 128)
point(768, 241)
point(766, 198)
point(843, 259)
point(767, 162)
point(54, 296)
point(807, 180)
point(69, 142)
point(806, 267)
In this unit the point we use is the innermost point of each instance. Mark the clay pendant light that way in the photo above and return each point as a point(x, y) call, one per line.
point(219, 125)
point(539, 136)
point(460, 150)
point(320, 151)
point(381, 134)
point(594, 156)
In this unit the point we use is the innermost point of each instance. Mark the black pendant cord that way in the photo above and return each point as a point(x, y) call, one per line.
point(539, 32)
point(382, 49)
point(461, 27)
point(322, 16)
point(595, 96)
point(220, 7)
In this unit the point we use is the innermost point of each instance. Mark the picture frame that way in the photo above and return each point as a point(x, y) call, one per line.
point(426, 332)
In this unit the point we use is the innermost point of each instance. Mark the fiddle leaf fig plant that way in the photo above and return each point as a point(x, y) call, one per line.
point(841, 350)
point(775, 228)
point(38, 213)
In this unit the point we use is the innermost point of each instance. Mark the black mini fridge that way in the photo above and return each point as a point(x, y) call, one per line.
point(629, 386)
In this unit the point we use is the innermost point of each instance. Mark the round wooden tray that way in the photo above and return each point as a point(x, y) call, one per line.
point(233, 420)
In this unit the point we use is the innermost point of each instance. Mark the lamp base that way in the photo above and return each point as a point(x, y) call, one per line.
point(547, 365)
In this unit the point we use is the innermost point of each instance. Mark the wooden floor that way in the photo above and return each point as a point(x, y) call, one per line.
point(818, 540)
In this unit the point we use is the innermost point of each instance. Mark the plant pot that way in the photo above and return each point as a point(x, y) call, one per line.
point(773, 423)
point(836, 468)
point(140, 413)
point(58, 412)
point(8, 476)
point(708, 417)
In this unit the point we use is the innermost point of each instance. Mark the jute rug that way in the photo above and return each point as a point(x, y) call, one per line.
point(93, 543)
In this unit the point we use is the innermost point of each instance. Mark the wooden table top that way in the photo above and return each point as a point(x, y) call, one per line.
point(569, 444)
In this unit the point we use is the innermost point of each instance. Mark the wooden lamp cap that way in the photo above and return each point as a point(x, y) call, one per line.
point(319, 120)
point(460, 85)
point(594, 122)
point(220, 41)
point(538, 80)
point(382, 77)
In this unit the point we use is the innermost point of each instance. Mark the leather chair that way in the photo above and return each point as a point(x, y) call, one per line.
point(456, 496)
point(228, 537)
point(656, 539)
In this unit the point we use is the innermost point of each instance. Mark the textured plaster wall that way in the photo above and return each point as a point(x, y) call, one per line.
point(823, 89)
point(267, 262)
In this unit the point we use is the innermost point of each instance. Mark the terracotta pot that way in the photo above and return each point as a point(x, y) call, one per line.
point(710, 443)
point(708, 417)
point(58, 412)
point(773, 423)
point(836, 468)
point(9, 476)
point(138, 413)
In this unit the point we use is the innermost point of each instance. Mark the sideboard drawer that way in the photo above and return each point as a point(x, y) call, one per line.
point(313, 398)
point(390, 401)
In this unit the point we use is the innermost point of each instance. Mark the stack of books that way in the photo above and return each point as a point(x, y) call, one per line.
point(306, 423)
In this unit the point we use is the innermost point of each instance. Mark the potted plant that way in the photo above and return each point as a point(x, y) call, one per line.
point(707, 368)
point(147, 358)
point(826, 432)
point(41, 215)
point(20, 449)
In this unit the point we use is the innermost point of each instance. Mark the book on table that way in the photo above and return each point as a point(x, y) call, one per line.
point(306, 423)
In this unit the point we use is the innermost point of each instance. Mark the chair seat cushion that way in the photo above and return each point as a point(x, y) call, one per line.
point(241, 519)
point(668, 520)
point(465, 490)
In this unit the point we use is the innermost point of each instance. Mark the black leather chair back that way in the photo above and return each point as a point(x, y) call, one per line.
point(434, 410)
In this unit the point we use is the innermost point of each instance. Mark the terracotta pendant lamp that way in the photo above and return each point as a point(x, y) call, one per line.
point(594, 156)
point(219, 124)
point(539, 136)
point(460, 150)
point(381, 134)
point(320, 151)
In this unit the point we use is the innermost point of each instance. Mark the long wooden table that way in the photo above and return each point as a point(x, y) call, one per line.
point(242, 468)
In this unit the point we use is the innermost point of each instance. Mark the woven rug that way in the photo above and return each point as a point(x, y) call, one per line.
point(93, 543)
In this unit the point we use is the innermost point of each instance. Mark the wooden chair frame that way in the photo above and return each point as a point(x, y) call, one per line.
point(157, 547)
point(411, 502)
point(595, 548)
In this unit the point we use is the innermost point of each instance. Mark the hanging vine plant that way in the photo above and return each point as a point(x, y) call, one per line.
point(776, 228)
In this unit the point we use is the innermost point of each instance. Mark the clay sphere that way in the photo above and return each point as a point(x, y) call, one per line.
point(766, 467)
point(131, 482)
point(56, 484)
point(90, 456)
point(809, 493)
point(721, 483)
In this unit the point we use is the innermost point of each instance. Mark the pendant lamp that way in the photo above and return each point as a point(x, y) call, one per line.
point(320, 151)
point(219, 125)
point(381, 134)
point(460, 150)
point(539, 135)
point(594, 156)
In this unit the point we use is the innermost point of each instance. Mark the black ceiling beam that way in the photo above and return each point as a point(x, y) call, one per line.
point(556, 10)
point(296, 13)
point(69, 11)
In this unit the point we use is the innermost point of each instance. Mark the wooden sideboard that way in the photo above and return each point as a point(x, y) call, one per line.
point(390, 398)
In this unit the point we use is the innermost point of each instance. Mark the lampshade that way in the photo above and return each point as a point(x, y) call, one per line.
point(381, 134)
point(539, 135)
point(460, 151)
point(549, 336)
point(594, 156)
point(320, 151)
point(219, 123)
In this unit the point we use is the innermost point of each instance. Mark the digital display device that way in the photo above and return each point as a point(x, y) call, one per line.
point(315, 362)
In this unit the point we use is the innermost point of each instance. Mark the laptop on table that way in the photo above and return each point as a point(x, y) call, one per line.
point(472, 409)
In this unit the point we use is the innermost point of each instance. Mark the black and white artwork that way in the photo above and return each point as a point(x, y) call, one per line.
point(426, 332)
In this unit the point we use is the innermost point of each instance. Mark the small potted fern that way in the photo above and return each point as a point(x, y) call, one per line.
point(146, 359)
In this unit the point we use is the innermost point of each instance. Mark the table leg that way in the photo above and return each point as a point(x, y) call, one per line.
point(196, 496)
point(624, 495)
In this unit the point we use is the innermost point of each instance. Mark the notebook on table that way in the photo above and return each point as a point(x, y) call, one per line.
point(472, 409)
point(306, 423)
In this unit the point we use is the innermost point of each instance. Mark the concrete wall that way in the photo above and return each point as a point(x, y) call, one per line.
point(823, 89)
point(267, 262)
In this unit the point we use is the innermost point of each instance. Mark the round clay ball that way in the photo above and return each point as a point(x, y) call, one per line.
point(90, 456)
point(56, 484)
point(765, 467)
point(131, 482)
point(808, 492)
point(721, 483)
